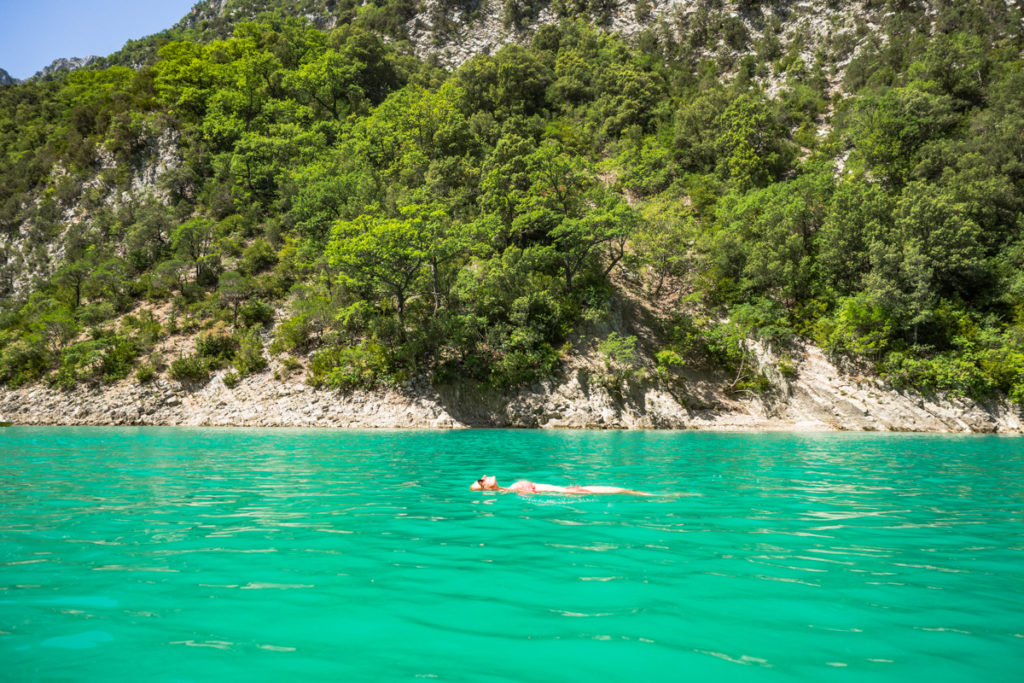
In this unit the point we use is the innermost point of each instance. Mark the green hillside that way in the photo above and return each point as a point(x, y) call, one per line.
point(328, 196)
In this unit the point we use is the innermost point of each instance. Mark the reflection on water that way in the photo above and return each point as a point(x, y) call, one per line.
point(364, 556)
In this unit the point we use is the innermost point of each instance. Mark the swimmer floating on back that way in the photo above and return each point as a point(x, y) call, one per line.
point(488, 483)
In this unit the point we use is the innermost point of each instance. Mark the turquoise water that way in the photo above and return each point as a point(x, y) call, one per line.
point(216, 555)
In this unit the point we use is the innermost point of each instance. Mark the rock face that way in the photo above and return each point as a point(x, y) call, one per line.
point(6, 78)
point(20, 266)
point(63, 64)
point(820, 396)
point(814, 396)
point(452, 31)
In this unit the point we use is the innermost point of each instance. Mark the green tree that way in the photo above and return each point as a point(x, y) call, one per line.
point(329, 82)
point(859, 213)
point(751, 146)
point(193, 241)
point(381, 257)
point(234, 289)
point(950, 243)
point(70, 277)
point(580, 242)
point(890, 129)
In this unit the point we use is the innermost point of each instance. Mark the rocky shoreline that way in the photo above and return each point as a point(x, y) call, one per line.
point(817, 397)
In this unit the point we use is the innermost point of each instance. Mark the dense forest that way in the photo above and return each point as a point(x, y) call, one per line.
point(327, 197)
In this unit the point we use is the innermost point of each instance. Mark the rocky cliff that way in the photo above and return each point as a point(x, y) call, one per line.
point(6, 78)
point(64, 64)
point(815, 396)
point(450, 32)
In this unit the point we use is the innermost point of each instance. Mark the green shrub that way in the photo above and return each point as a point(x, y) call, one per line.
point(77, 362)
point(216, 343)
point(522, 366)
point(96, 313)
point(145, 327)
point(119, 356)
point(617, 351)
point(668, 361)
point(288, 366)
point(537, 311)
point(618, 354)
point(210, 268)
point(684, 336)
point(953, 375)
point(860, 326)
point(23, 361)
point(723, 344)
point(348, 368)
point(231, 379)
point(191, 368)
point(751, 382)
point(249, 358)
point(258, 257)
point(230, 246)
point(1005, 365)
point(145, 373)
point(292, 334)
point(763, 319)
point(256, 312)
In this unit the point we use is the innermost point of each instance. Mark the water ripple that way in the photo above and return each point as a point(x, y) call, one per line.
point(361, 556)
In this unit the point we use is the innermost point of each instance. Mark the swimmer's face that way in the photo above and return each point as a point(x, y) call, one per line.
point(484, 483)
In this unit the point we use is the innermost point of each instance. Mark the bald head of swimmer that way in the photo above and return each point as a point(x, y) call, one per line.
point(484, 483)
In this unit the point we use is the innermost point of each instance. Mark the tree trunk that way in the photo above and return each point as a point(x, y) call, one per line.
point(437, 295)
point(401, 316)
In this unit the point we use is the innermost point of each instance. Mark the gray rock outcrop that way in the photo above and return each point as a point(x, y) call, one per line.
point(63, 64)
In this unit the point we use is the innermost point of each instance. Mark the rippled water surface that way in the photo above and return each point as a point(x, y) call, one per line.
point(187, 554)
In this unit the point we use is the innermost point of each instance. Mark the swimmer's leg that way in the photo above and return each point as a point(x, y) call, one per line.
point(611, 489)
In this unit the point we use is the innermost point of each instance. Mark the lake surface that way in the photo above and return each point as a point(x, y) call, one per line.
point(169, 554)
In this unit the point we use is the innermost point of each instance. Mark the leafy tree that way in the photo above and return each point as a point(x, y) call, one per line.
point(512, 82)
point(891, 128)
point(193, 241)
point(954, 64)
point(71, 277)
point(234, 289)
point(858, 214)
point(579, 241)
point(750, 147)
point(329, 82)
point(382, 257)
point(949, 242)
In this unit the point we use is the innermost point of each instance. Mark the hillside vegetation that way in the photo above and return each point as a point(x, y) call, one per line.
point(328, 196)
